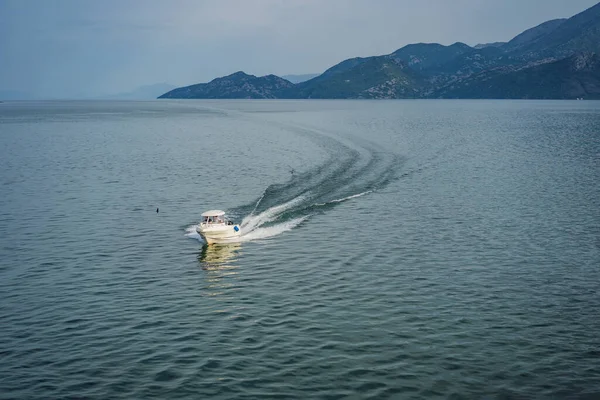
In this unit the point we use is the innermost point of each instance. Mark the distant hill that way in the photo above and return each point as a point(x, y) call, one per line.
point(235, 86)
point(531, 35)
point(577, 76)
point(557, 59)
point(561, 38)
point(430, 57)
point(299, 78)
point(374, 78)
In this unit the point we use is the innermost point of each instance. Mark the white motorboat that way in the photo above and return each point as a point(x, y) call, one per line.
point(215, 228)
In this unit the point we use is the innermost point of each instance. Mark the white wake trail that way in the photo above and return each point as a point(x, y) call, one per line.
point(252, 222)
point(344, 198)
point(270, 231)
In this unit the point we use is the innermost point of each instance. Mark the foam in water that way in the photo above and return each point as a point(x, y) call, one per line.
point(251, 222)
point(190, 232)
point(353, 169)
point(274, 230)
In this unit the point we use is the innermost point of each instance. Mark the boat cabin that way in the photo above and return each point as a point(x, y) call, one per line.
point(215, 217)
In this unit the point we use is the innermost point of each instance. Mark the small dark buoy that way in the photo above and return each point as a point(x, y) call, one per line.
point(157, 210)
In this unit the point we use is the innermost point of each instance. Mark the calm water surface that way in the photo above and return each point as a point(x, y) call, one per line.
point(391, 249)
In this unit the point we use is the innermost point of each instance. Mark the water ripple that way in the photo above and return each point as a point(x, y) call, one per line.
point(450, 250)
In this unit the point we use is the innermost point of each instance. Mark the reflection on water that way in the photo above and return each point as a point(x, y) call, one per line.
point(218, 256)
point(218, 260)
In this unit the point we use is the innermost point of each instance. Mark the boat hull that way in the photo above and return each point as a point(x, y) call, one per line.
point(218, 233)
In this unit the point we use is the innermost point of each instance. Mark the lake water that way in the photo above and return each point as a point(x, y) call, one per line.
point(391, 249)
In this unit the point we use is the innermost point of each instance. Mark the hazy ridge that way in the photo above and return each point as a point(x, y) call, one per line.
point(554, 60)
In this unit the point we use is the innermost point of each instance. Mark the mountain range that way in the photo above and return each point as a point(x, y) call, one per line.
point(558, 59)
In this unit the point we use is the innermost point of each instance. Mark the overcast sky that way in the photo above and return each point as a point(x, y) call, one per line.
point(58, 48)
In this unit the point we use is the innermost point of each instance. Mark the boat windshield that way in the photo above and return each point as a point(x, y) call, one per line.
point(213, 220)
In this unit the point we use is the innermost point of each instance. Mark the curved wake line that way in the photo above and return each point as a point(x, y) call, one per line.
point(258, 202)
point(352, 170)
point(354, 196)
